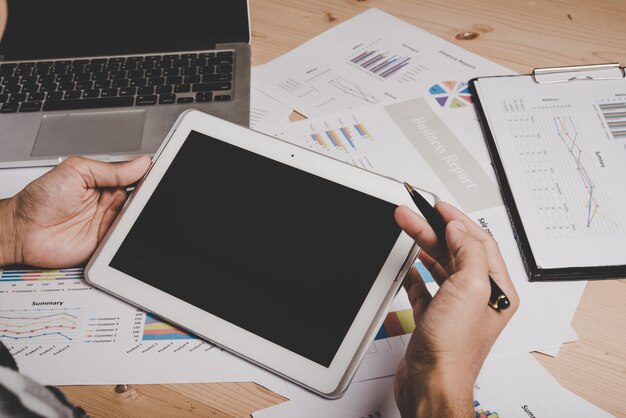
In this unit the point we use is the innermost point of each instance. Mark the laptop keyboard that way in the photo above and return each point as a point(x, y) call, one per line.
point(116, 82)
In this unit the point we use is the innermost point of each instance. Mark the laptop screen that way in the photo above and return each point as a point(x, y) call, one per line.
point(39, 29)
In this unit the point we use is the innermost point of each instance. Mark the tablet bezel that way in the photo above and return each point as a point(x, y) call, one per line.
point(327, 381)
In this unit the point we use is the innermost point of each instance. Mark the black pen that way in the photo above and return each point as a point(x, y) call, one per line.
point(498, 300)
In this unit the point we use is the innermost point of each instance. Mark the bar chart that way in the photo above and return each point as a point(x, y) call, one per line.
point(396, 323)
point(400, 322)
point(481, 412)
point(155, 329)
point(382, 63)
point(34, 275)
point(615, 118)
point(346, 138)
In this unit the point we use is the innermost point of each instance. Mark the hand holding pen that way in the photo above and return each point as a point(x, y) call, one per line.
point(498, 299)
point(456, 328)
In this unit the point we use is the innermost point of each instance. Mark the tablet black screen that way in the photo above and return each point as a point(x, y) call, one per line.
point(282, 253)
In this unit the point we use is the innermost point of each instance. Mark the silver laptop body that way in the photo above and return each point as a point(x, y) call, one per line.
point(120, 105)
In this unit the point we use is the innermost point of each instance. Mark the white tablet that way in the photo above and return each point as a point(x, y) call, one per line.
point(280, 255)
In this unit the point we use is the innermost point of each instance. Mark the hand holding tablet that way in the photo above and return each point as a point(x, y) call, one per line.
point(285, 257)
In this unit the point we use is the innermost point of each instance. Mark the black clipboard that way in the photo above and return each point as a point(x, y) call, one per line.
point(545, 76)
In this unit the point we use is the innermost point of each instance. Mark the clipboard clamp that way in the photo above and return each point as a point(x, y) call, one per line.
point(552, 75)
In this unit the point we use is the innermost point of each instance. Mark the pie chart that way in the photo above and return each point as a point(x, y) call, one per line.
point(452, 94)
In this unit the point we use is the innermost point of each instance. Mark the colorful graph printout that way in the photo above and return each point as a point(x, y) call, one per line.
point(615, 118)
point(38, 325)
point(423, 271)
point(396, 323)
point(568, 135)
point(451, 94)
point(345, 138)
point(360, 128)
point(383, 64)
point(24, 275)
point(351, 89)
point(401, 322)
point(156, 329)
point(483, 413)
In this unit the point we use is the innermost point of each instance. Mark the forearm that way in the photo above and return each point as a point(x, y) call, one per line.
point(430, 405)
point(433, 396)
point(437, 406)
point(8, 236)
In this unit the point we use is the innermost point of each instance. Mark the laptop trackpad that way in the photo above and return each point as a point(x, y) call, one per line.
point(89, 133)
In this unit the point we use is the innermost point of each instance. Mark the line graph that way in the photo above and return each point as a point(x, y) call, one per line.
point(562, 171)
point(352, 89)
point(568, 134)
point(39, 325)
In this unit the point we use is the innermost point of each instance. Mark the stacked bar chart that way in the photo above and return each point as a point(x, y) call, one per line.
point(480, 412)
point(26, 275)
point(156, 329)
point(345, 138)
point(615, 118)
point(319, 140)
point(383, 64)
point(362, 131)
point(423, 271)
point(396, 323)
point(400, 322)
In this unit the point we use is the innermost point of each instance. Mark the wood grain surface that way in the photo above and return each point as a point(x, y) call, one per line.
point(518, 34)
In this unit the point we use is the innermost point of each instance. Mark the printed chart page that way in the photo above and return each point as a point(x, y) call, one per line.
point(62, 331)
point(501, 390)
point(373, 58)
point(563, 148)
point(409, 141)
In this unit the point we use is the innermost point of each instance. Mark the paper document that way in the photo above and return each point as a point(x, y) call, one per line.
point(563, 148)
point(389, 345)
point(512, 387)
point(410, 142)
point(387, 97)
point(13, 180)
point(265, 111)
point(61, 331)
point(373, 58)
point(431, 139)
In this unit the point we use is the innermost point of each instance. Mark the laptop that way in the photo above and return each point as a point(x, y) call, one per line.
point(108, 79)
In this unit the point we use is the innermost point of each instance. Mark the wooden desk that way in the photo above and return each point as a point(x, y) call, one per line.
point(518, 34)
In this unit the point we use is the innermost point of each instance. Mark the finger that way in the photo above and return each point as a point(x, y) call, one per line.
point(422, 233)
point(470, 258)
point(450, 213)
point(112, 201)
point(100, 174)
point(495, 261)
point(438, 273)
point(419, 296)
